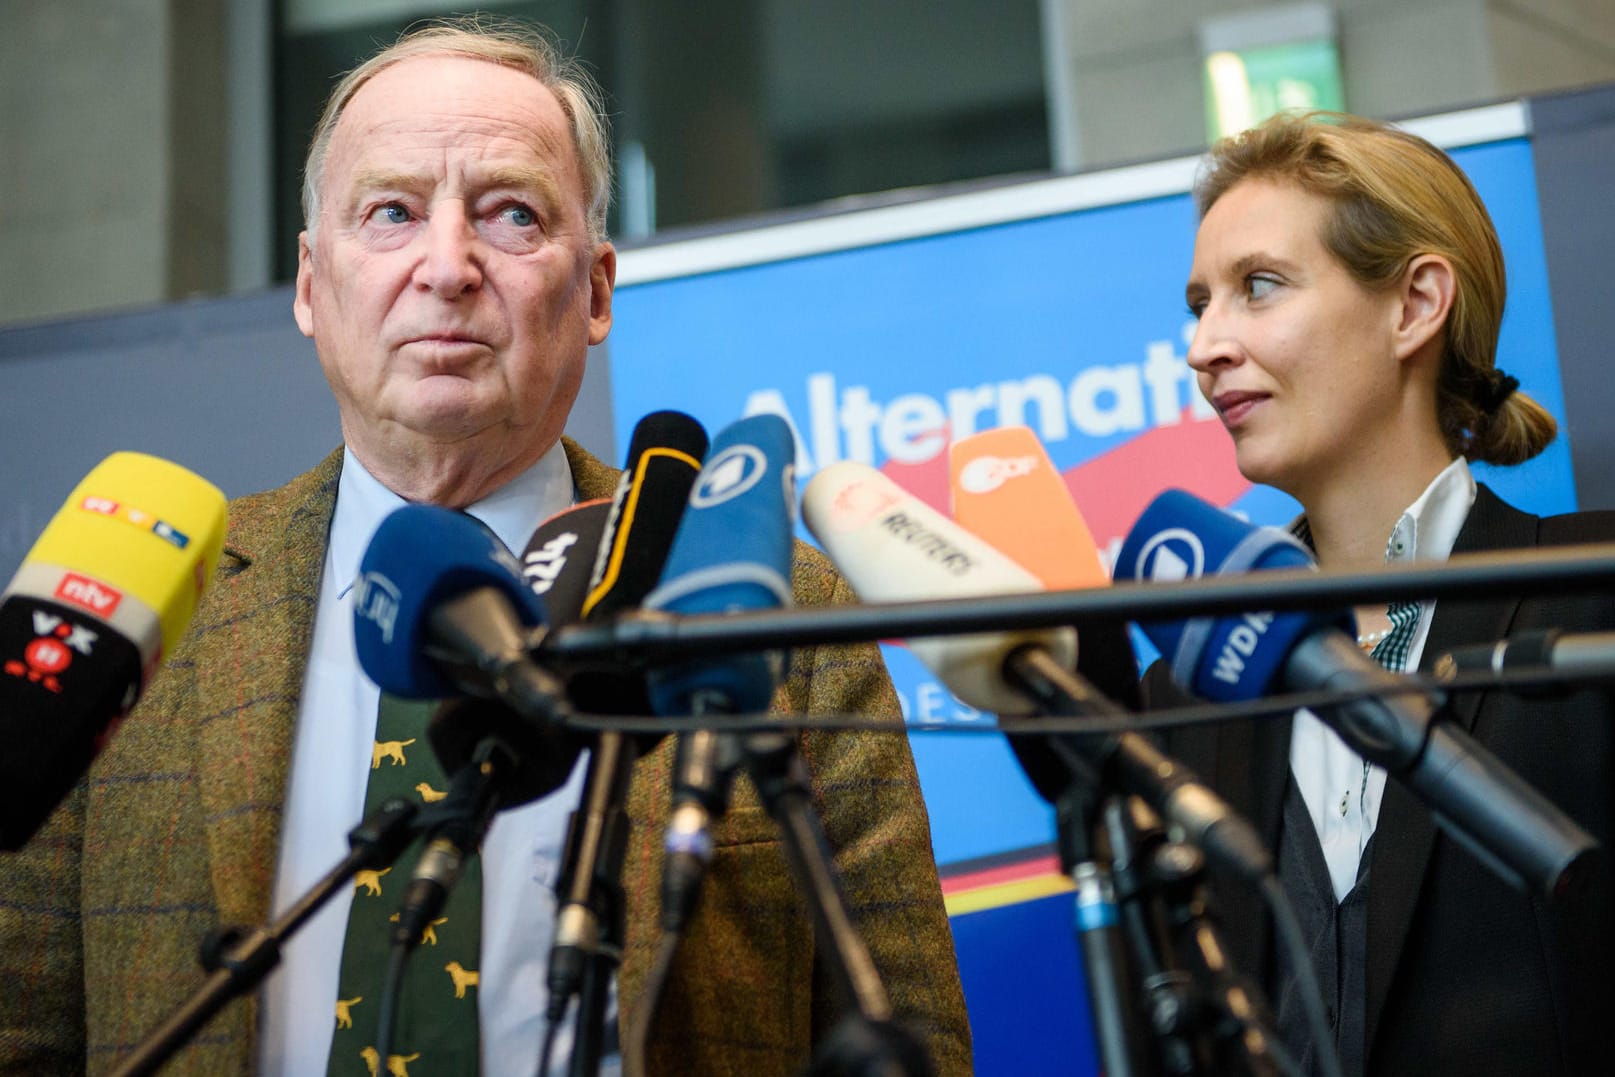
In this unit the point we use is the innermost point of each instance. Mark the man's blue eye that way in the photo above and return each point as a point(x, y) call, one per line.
point(1259, 287)
point(393, 213)
point(520, 216)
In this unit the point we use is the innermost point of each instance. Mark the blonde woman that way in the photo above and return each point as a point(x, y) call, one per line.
point(1349, 287)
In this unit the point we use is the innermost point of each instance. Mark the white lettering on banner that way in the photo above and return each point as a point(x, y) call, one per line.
point(933, 703)
point(847, 423)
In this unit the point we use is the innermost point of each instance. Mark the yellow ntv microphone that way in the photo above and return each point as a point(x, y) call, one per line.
point(106, 592)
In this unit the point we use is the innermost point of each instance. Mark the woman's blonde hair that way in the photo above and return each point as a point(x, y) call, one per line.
point(1394, 197)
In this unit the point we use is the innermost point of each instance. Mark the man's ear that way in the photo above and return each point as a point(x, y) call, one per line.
point(602, 282)
point(302, 298)
point(1425, 294)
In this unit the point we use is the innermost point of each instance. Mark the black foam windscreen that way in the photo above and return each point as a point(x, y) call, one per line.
point(559, 559)
point(545, 755)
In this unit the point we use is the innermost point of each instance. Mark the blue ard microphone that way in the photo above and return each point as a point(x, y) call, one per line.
point(441, 610)
point(1476, 800)
point(732, 552)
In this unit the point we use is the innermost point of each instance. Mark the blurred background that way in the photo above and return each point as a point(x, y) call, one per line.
point(151, 150)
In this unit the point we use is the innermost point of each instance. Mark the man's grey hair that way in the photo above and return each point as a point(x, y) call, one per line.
point(509, 44)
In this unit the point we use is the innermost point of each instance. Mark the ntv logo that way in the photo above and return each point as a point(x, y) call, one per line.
point(848, 423)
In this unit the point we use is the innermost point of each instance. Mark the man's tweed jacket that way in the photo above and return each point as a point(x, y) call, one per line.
point(178, 827)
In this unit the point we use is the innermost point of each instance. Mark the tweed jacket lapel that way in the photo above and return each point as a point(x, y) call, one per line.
point(591, 477)
point(250, 658)
point(1403, 856)
point(251, 654)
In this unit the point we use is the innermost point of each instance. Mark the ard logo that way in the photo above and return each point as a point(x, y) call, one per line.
point(728, 475)
point(1171, 555)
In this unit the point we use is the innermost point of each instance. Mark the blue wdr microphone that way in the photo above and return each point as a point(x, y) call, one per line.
point(1475, 799)
point(1224, 659)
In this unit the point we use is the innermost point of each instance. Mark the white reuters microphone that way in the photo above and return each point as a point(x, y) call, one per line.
point(893, 547)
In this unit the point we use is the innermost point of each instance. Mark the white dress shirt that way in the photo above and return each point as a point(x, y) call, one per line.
point(325, 799)
point(1342, 795)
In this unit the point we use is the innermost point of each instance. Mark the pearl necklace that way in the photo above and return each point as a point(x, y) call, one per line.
point(1367, 640)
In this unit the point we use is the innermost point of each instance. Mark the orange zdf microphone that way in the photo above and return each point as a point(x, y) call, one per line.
point(1007, 490)
point(106, 592)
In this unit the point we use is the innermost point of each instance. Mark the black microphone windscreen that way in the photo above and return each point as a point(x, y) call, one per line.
point(560, 556)
point(668, 430)
point(64, 677)
point(545, 755)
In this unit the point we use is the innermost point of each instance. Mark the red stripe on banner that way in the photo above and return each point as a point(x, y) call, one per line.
point(926, 480)
point(997, 876)
point(1113, 488)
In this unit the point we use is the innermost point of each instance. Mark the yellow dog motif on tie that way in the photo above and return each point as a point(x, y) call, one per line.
point(397, 1065)
point(389, 749)
point(370, 880)
point(344, 1010)
point(428, 794)
point(463, 977)
point(428, 935)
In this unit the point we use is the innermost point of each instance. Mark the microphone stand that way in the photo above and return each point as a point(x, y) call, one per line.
point(1150, 891)
point(1159, 885)
point(589, 927)
point(865, 1040)
point(1112, 985)
point(238, 960)
point(645, 638)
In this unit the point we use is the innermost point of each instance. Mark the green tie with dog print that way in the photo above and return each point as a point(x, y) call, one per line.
point(435, 1034)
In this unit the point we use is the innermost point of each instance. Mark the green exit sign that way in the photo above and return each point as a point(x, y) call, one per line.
point(1246, 86)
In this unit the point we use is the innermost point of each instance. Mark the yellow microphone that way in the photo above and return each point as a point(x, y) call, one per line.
point(104, 595)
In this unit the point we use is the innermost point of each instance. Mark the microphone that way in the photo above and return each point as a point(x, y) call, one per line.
point(893, 547)
point(560, 555)
point(103, 596)
point(731, 552)
point(1577, 657)
point(1476, 800)
point(664, 457)
point(1007, 491)
point(441, 610)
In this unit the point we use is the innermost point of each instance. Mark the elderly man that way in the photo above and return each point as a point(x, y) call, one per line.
point(453, 273)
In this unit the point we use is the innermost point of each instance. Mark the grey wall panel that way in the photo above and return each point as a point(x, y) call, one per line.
point(1573, 138)
point(226, 387)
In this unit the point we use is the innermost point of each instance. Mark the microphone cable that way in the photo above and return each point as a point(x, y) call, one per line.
point(636, 1042)
point(1288, 928)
